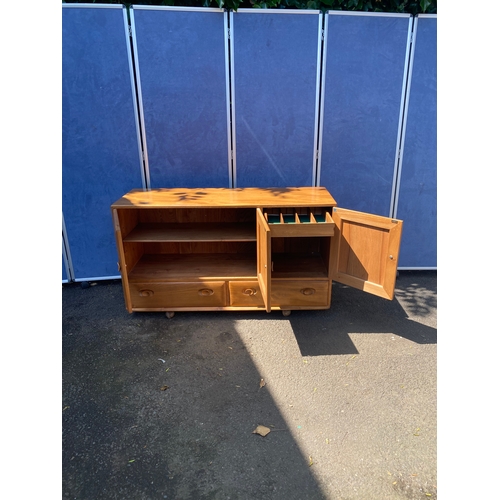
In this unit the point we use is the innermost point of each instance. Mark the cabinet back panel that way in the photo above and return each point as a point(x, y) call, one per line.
point(198, 215)
point(296, 245)
point(201, 247)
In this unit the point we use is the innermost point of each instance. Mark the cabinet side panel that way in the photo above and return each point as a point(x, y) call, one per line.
point(264, 259)
point(127, 219)
point(122, 259)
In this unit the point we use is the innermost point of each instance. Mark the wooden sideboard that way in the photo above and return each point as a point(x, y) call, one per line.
point(248, 249)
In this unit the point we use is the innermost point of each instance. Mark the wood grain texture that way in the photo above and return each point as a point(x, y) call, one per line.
point(201, 294)
point(366, 251)
point(222, 197)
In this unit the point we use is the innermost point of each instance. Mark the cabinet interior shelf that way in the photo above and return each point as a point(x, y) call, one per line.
point(229, 266)
point(199, 231)
point(171, 267)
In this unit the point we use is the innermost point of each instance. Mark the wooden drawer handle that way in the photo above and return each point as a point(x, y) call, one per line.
point(146, 293)
point(205, 292)
point(250, 291)
point(308, 291)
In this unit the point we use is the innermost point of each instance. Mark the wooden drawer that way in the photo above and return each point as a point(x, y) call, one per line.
point(170, 295)
point(245, 293)
point(300, 293)
point(284, 293)
point(295, 225)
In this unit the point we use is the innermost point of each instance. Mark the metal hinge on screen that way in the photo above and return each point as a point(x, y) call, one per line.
point(229, 33)
point(130, 31)
point(322, 35)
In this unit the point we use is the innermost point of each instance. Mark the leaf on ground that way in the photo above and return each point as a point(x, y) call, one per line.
point(164, 387)
point(310, 461)
point(262, 430)
point(262, 383)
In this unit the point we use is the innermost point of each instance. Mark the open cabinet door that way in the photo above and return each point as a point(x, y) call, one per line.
point(264, 258)
point(366, 249)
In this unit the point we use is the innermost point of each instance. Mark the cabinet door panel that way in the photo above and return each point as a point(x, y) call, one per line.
point(366, 249)
point(264, 258)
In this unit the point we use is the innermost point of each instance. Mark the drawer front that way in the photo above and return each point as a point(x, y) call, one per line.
point(165, 295)
point(245, 293)
point(300, 293)
point(284, 293)
point(300, 230)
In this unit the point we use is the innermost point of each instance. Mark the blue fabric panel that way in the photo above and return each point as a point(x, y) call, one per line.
point(362, 100)
point(275, 64)
point(100, 156)
point(181, 58)
point(418, 187)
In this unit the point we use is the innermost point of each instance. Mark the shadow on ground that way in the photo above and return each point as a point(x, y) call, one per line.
point(156, 408)
point(354, 311)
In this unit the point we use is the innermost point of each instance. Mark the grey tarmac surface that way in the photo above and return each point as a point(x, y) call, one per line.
point(157, 408)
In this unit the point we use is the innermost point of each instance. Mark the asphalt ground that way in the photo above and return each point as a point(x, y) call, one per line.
point(157, 408)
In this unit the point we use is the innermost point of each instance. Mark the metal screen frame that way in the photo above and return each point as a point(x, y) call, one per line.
point(66, 254)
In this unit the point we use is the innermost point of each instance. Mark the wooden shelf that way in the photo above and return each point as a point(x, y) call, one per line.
point(175, 232)
point(179, 267)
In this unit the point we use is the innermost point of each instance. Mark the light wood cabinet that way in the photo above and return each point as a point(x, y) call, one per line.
point(248, 249)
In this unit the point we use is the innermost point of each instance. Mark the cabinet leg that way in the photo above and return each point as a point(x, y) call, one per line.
point(286, 313)
point(169, 314)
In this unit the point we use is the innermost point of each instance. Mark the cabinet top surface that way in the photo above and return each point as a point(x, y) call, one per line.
point(225, 197)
